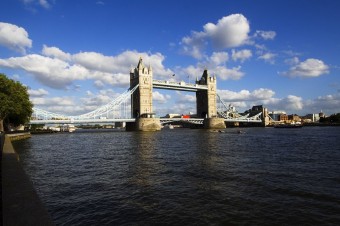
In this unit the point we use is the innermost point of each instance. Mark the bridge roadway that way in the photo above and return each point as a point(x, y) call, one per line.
point(163, 120)
point(183, 86)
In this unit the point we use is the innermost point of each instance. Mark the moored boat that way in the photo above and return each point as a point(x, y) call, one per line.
point(169, 126)
point(287, 125)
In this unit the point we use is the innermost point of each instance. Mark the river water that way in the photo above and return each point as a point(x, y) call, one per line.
point(265, 176)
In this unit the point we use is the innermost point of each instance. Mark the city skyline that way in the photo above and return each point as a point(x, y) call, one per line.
point(76, 57)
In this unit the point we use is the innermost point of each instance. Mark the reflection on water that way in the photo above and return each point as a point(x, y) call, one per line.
point(144, 162)
point(264, 176)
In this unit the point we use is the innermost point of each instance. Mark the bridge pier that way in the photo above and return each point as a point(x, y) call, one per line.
point(144, 124)
point(214, 123)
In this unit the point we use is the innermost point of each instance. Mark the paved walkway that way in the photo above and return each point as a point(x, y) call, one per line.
point(20, 202)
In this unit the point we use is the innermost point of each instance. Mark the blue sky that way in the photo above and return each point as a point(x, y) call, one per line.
point(76, 55)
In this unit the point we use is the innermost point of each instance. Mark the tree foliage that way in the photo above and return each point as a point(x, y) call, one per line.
point(15, 106)
point(335, 118)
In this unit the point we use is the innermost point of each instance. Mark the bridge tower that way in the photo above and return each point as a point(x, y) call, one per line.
point(206, 99)
point(141, 99)
point(206, 103)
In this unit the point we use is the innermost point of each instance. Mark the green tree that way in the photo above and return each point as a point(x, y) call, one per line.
point(335, 118)
point(15, 106)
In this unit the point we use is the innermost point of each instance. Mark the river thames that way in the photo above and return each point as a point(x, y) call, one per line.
point(264, 176)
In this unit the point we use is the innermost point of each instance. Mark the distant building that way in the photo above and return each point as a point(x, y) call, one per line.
point(283, 117)
point(294, 118)
point(321, 114)
point(259, 109)
point(311, 118)
point(275, 115)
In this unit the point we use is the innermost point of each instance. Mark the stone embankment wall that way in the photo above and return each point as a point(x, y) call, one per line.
point(20, 202)
point(19, 136)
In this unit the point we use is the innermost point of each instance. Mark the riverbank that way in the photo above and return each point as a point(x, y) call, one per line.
point(20, 202)
point(18, 136)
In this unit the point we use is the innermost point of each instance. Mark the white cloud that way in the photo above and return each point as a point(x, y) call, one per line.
point(89, 93)
point(96, 61)
point(97, 101)
point(99, 84)
point(14, 37)
point(71, 105)
point(122, 62)
point(51, 101)
point(54, 73)
point(193, 45)
point(266, 35)
point(230, 31)
point(218, 58)
point(329, 103)
point(37, 93)
point(179, 108)
point(43, 3)
point(119, 79)
point(93, 101)
point(245, 99)
point(160, 98)
point(292, 61)
point(216, 65)
point(224, 73)
point(241, 55)
point(268, 57)
point(191, 71)
point(260, 47)
point(68, 110)
point(185, 98)
point(308, 68)
point(246, 95)
point(59, 69)
point(55, 52)
point(292, 103)
point(262, 94)
point(184, 103)
point(291, 53)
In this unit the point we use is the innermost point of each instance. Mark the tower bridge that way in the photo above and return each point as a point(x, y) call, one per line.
point(141, 100)
point(141, 113)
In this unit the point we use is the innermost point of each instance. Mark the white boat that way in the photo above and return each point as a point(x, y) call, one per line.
point(168, 127)
point(69, 128)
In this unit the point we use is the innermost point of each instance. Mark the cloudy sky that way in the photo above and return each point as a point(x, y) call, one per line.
point(76, 55)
